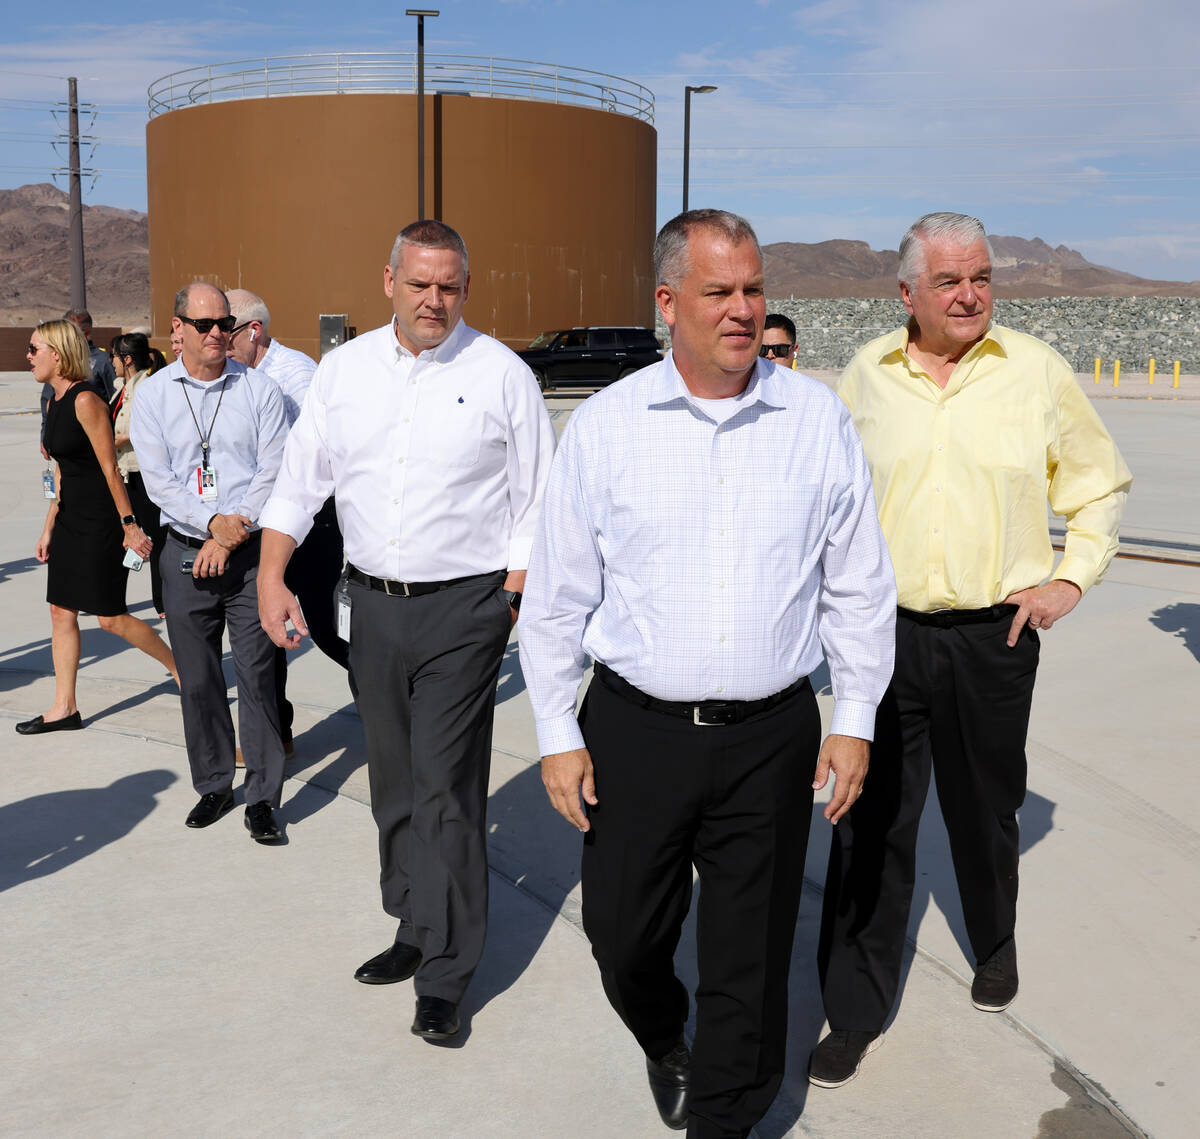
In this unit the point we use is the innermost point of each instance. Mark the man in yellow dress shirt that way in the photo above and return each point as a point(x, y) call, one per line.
point(968, 429)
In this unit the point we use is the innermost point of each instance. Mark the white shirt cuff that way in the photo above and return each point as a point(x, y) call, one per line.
point(286, 517)
point(560, 734)
point(853, 718)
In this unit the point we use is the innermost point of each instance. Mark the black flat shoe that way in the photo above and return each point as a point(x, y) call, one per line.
point(670, 1084)
point(396, 963)
point(260, 822)
point(436, 1019)
point(38, 725)
point(210, 808)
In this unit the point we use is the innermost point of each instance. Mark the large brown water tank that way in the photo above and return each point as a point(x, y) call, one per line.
point(298, 198)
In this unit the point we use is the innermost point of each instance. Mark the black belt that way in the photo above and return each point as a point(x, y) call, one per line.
point(706, 713)
point(187, 540)
point(411, 588)
point(197, 543)
point(948, 618)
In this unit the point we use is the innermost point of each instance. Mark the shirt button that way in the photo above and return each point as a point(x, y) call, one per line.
point(721, 638)
point(940, 447)
point(396, 502)
point(935, 529)
point(938, 489)
point(401, 459)
point(720, 688)
point(392, 542)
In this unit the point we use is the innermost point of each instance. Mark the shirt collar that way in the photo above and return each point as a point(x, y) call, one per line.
point(442, 352)
point(894, 346)
point(178, 371)
point(667, 386)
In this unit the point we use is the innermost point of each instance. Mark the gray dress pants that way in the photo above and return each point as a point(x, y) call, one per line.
point(197, 613)
point(425, 669)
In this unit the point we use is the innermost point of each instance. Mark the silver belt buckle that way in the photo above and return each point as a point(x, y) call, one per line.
point(387, 588)
point(696, 718)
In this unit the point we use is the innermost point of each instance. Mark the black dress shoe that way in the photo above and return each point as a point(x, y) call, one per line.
point(210, 808)
point(670, 1084)
point(38, 725)
point(260, 822)
point(436, 1019)
point(396, 963)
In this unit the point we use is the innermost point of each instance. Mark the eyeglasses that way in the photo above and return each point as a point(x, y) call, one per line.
point(204, 324)
point(34, 349)
point(239, 328)
point(777, 350)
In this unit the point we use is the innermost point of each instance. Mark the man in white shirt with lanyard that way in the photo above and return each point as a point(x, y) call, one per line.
point(209, 435)
point(435, 440)
point(708, 533)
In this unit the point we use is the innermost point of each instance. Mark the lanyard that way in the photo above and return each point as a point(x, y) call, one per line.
point(205, 436)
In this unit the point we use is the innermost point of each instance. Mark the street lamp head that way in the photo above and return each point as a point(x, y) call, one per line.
point(422, 12)
point(702, 90)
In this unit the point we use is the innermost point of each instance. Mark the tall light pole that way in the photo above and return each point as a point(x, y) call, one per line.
point(75, 214)
point(687, 132)
point(420, 14)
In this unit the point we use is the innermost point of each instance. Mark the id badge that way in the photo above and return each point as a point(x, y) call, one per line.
point(48, 484)
point(342, 605)
point(206, 484)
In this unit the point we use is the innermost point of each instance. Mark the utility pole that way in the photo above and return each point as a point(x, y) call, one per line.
point(75, 217)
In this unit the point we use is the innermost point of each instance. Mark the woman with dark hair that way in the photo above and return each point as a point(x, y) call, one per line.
point(131, 361)
point(83, 540)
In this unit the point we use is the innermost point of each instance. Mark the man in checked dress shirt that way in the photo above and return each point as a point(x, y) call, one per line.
point(708, 534)
point(436, 443)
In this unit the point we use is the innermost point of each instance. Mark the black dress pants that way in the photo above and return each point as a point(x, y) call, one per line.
point(425, 670)
point(958, 704)
point(734, 801)
point(312, 575)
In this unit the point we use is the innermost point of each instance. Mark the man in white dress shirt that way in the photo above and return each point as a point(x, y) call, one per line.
point(708, 533)
point(315, 567)
point(435, 440)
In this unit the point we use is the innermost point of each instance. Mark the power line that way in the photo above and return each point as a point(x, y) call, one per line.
point(958, 143)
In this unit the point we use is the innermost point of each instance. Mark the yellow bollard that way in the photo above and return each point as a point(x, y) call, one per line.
point(1152, 369)
point(1116, 373)
point(1176, 383)
point(1096, 380)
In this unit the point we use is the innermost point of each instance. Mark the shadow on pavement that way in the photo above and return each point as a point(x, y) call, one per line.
point(1182, 619)
point(46, 833)
point(16, 567)
point(512, 679)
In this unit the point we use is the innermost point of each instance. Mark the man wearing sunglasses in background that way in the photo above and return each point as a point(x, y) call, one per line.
point(779, 340)
point(209, 435)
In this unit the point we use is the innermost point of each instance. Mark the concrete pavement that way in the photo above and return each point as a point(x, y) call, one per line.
point(166, 981)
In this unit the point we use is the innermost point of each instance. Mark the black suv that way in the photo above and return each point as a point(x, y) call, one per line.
point(589, 357)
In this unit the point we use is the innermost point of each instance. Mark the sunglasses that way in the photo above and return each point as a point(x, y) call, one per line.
point(204, 324)
point(34, 349)
point(777, 350)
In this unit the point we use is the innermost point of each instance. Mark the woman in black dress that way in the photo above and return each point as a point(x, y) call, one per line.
point(90, 526)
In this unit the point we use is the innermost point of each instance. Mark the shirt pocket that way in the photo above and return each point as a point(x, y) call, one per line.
point(454, 441)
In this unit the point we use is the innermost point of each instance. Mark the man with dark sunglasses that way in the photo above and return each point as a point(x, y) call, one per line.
point(209, 435)
point(779, 340)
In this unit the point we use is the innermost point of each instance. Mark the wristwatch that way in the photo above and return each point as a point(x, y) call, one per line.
point(514, 600)
point(128, 520)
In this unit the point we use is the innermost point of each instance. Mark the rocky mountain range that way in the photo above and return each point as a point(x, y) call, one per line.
point(35, 283)
point(1022, 268)
point(35, 280)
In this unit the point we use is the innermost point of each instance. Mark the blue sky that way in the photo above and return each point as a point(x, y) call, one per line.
point(1070, 120)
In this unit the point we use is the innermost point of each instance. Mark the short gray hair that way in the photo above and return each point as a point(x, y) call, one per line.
point(671, 245)
point(184, 296)
point(962, 229)
point(429, 234)
point(246, 306)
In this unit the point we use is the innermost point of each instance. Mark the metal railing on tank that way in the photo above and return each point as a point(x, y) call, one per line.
point(356, 73)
